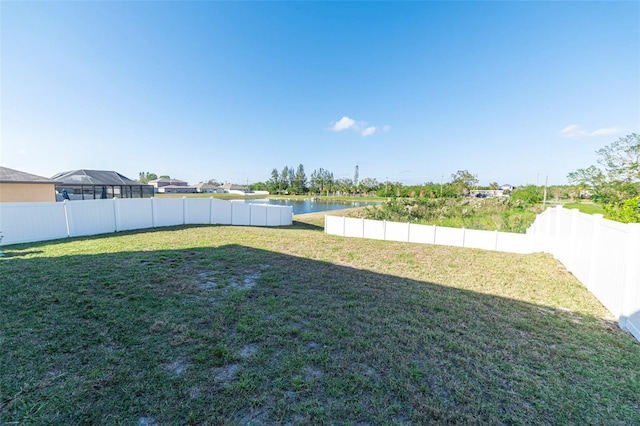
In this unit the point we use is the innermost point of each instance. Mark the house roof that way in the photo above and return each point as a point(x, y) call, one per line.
point(178, 187)
point(206, 185)
point(94, 177)
point(233, 186)
point(16, 176)
point(165, 180)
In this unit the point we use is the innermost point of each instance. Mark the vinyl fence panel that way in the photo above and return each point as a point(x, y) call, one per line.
point(134, 213)
point(240, 214)
point(91, 217)
point(450, 236)
point(485, 240)
point(611, 262)
point(28, 222)
point(374, 229)
point(286, 215)
point(258, 214)
point(168, 211)
point(511, 242)
point(424, 234)
point(197, 211)
point(274, 216)
point(334, 225)
point(221, 211)
point(396, 231)
point(353, 227)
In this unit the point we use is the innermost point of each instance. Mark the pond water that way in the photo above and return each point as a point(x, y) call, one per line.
point(312, 206)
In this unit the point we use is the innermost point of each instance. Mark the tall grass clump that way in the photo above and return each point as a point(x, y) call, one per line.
point(502, 214)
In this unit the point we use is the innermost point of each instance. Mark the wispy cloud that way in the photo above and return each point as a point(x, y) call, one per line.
point(368, 131)
point(360, 127)
point(574, 131)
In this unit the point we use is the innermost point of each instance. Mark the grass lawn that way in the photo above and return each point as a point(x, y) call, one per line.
point(241, 325)
point(586, 207)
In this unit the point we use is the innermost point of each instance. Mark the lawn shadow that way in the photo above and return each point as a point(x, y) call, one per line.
point(238, 335)
point(18, 253)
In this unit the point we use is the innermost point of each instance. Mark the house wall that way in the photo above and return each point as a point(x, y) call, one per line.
point(26, 192)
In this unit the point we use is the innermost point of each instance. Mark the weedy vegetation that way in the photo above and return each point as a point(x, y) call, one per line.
point(241, 325)
point(502, 214)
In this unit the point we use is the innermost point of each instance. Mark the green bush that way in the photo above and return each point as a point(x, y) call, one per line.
point(627, 212)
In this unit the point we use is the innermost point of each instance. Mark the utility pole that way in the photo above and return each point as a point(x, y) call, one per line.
point(441, 182)
point(544, 200)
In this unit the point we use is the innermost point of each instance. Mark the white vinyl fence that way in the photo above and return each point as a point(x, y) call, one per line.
point(604, 255)
point(29, 222)
point(428, 234)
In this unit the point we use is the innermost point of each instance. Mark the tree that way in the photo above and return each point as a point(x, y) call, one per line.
point(321, 180)
point(463, 181)
point(529, 195)
point(368, 185)
point(283, 184)
point(299, 182)
point(273, 183)
point(618, 178)
point(291, 179)
point(356, 175)
point(146, 177)
point(621, 159)
point(164, 177)
point(344, 185)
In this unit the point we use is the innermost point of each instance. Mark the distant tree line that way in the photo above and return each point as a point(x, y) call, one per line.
point(292, 180)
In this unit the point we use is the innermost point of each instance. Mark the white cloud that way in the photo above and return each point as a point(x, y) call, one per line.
point(344, 123)
point(574, 131)
point(361, 126)
point(368, 131)
point(603, 132)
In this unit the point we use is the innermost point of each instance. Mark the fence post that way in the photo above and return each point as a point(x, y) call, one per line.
point(630, 299)
point(184, 210)
point(153, 212)
point(67, 217)
point(344, 220)
point(495, 246)
point(116, 213)
point(408, 231)
point(363, 227)
point(435, 228)
point(592, 275)
point(384, 230)
point(463, 236)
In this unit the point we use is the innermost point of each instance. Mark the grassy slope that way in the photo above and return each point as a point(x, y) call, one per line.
point(235, 325)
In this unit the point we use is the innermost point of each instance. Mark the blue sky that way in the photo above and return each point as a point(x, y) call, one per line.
point(511, 91)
